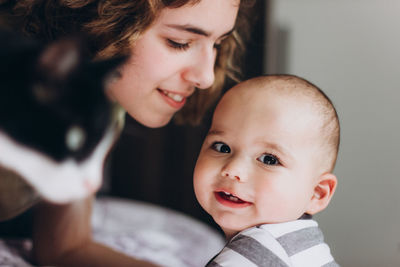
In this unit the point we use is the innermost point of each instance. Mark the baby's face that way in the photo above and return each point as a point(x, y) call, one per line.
point(259, 162)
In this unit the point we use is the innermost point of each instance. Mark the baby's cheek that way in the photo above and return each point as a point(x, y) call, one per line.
point(202, 187)
point(197, 184)
point(275, 204)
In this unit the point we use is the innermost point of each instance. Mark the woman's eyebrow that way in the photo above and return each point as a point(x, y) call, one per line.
point(195, 30)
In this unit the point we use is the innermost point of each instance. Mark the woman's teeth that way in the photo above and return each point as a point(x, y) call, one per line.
point(175, 97)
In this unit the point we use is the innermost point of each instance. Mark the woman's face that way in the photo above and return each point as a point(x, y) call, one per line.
point(172, 58)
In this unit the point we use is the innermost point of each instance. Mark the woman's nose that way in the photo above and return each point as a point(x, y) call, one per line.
point(201, 71)
point(234, 169)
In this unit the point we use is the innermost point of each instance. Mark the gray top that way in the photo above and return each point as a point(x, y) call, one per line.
point(297, 244)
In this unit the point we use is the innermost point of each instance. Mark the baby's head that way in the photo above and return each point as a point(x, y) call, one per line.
point(269, 154)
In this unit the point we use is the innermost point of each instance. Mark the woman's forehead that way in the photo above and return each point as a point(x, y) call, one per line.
point(207, 17)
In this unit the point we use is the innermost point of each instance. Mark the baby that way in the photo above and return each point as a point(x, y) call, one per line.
point(265, 167)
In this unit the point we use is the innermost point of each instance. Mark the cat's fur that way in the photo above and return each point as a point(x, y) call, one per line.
point(55, 118)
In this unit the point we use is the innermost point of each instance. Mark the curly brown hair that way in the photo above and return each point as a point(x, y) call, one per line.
point(112, 26)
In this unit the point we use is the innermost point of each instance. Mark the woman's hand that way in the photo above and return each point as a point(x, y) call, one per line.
point(62, 237)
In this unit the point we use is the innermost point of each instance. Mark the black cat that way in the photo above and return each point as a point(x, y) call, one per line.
point(55, 118)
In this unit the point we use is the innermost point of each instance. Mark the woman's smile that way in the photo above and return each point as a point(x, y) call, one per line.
point(172, 58)
point(175, 100)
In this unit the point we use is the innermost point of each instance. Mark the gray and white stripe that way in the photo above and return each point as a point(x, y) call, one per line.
point(293, 244)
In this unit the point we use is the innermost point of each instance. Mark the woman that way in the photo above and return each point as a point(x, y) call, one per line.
point(181, 52)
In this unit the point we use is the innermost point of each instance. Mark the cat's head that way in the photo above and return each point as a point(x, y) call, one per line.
point(55, 117)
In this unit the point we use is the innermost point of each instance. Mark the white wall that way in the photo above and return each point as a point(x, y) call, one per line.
point(351, 49)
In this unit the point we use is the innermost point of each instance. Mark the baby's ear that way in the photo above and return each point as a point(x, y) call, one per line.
point(323, 192)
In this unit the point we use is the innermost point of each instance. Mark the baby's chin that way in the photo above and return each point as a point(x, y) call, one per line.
point(230, 229)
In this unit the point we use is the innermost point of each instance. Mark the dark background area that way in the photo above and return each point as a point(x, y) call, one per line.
point(156, 165)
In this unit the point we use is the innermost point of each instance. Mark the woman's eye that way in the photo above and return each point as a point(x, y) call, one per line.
point(217, 46)
point(219, 42)
point(221, 147)
point(177, 45)
point(268, 159)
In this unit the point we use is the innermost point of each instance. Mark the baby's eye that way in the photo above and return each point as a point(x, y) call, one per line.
point(268, 159)
point(221, 147)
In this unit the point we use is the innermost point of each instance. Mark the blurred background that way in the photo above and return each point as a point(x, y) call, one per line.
point(351, 50)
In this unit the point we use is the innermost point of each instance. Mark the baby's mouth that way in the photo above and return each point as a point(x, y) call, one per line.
point(229, 197)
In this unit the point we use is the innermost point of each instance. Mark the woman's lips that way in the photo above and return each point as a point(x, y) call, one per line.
point(230, 200)
point(175, 100)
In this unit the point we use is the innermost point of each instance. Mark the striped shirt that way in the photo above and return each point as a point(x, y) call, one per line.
point(297, 243)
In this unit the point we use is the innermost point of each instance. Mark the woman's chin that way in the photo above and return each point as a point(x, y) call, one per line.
point(156, 122)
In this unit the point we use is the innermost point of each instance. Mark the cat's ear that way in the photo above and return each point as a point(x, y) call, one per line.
point(59, 58)
point(54, 65)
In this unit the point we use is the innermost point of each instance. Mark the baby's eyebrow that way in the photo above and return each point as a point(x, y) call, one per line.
point(215, 132)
